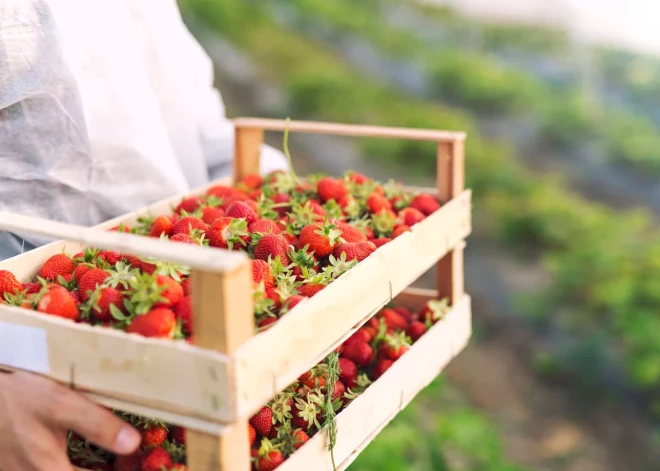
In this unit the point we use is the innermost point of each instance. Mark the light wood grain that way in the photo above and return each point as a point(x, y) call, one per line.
point(350, 130)
point(247, 145)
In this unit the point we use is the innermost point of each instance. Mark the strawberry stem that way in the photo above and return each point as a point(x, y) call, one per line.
point(285, 147)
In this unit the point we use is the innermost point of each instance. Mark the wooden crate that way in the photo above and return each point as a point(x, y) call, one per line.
point(230, 373)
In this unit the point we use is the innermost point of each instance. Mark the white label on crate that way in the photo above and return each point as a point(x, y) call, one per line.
point(24, 347)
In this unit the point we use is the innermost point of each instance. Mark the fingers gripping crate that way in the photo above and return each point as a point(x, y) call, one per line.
point(230, 372)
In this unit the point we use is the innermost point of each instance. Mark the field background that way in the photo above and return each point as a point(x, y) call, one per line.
point(563, 155)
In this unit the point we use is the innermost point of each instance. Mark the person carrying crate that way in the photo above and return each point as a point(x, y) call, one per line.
point(105, 107)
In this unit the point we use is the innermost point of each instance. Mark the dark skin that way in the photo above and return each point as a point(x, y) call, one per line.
point(36, 415)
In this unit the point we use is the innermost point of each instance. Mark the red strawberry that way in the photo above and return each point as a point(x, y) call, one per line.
point(30, 288)
point(8, 284)
point(128, 462)
point(155, 459)
point(279, 199)
point(153, 436)
point(316, 208)
point(228, 231)
point(339, 390)
point(210, 214)
point(400, 229)
point(358, 178)
point(354, 250)
point(393, 319)
point(381, 367)
point(411, 216)
point(179, 435)
point(187, 225)
point(220, 191)
point(159, 322)
point(415, 330)
point(270, 461)
point(377, 203)
point(320, 239)
point(380, 242)
point(272, 246)
point(266, 322)
point(161, 225)
point(188, 205)
point(291, 302)
point(261, 273)
point(59, 302)
point(264, 225)
point(330, 189)
point(359, 353)
point(425, 203)
point(299, 438)
point(173, 292)
point(252, 181)
point(109, 256)
point(241, 209)
point(360, 335)
point(59, 264)
point(350, 233)
point(90, 280)
point(183, 312)
point(187, 288)
point(310, 289)
point(103, 299)
point(183, 238)
point(347, 371)
point(262, 421)
point(252, 434)
point(405, 312)
point(79, 271)
point(394, 346)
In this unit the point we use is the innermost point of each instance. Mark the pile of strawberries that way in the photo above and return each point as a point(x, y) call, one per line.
point(300, 233)
point(290, 419)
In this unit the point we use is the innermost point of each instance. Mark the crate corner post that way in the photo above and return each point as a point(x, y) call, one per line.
point(223, 313)
point(247, 149)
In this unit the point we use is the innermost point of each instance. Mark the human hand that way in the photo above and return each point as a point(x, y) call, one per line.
point(36, 415)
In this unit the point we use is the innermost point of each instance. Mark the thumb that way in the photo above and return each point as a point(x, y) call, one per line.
point(95, 423)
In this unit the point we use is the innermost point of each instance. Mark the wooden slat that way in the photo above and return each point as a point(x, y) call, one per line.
point(350, 130)
point(303, 337)
point(359, 423)
point(247, 147)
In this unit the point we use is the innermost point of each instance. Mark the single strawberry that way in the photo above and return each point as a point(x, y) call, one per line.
point(59, 264)
point(161, 225)
point(57, 301)
point(383, 222)
point(179, 435)
point(183, 312)
point(173, 292)
point(377, 203)
point(415, 330)
point(155, 459)
point(404, 311)
point(359, 353)
point(434, 311)
point(394, 346)
point(252, 181)
point(109, 256)
point(347, 372)
point(159, 322)
point(411, 216)
point(80, 270)
point(220, 191)
point(90, 281)
point(358, 178)
point(350, 233)
point(381, 241)
point(153, 436)
point(30, 288)
point(128, 462)
point(291, 302)
point(210, 214)
point(272, 246)
point(265, 226)
point(101, 301)
point(187, 288)
point(266, 322)
point(187, 225)
point(299, 438)
point(252, 434)
point(8, 284)
point(189, 205)
point(320, 239)
point(183, 238)
point(270, 461)
point(381, 367)
point(262, 421)
point(242, 209)
point(393, 319)
point(228, 232)
point(261, 273)
point(331, 189)
point(425, 203)
point(400, 229)
point(359, 336)
point(310, 289)
point(354, 250)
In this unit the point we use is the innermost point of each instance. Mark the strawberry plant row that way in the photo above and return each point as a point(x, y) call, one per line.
point(229, 372)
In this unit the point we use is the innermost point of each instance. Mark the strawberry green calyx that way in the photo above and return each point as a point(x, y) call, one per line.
point(213, 201)
point(301, 258)
point(267, 208)
point(439, 308)
point(330, 231)
point(84, 454)
point(144, 223)
point(199, 236)
point(302, 215)
point(143, 293)
point(383, 223)
point(397, 340)
point(235, 231)
point(281, 407)
point(352, 208)
point(267, 446)
point(121, 276)
point(262, 303)
point(309, 408)
point(333, 210)
point(339, 266)
point(362, 383)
